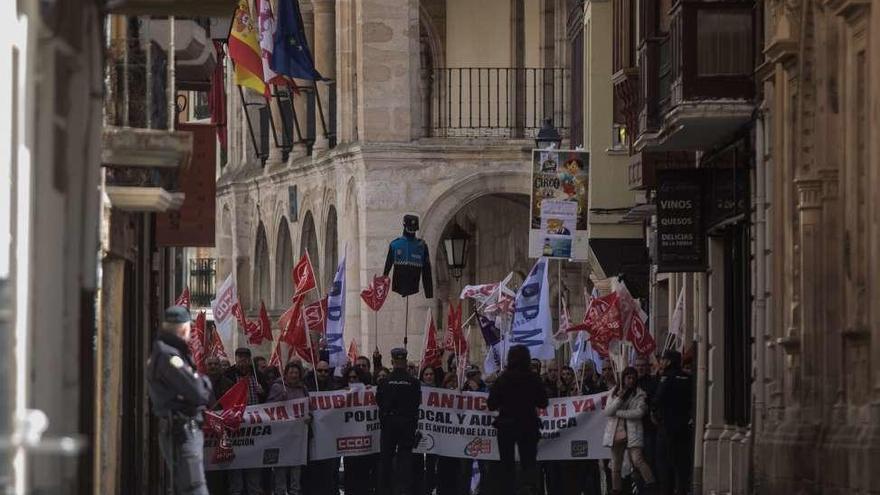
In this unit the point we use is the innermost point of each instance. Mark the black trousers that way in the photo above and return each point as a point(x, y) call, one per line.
point(320, 477)
point(396, 443)
point(359, 474)
point(674, 461)
point(182, 446)
point(449, 479)
point(526, 440)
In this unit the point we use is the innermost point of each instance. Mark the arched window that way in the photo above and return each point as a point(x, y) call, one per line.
point(331, 248)
point(283, 267)
point(309, 241)
point(262, 285)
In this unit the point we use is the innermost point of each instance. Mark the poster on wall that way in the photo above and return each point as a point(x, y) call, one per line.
point(559, 204)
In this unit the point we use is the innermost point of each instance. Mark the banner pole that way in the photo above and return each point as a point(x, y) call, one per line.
point(406, 323)
point(376, 330)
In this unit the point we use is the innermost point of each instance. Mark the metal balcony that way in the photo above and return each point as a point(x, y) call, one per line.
point(500, 102)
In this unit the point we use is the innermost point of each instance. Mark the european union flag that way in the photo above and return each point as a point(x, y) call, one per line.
point(292, 56)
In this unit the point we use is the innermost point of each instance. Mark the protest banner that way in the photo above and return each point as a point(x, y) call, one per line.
point(270, 435)
point(344, 422)
point(454, 424)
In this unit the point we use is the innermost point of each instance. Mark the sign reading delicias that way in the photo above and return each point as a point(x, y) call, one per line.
point(681, 243)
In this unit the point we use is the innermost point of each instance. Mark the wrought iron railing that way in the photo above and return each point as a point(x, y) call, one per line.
point(202, 274)
point(495, 101)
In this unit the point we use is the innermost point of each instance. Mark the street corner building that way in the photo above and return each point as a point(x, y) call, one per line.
point(156, 153)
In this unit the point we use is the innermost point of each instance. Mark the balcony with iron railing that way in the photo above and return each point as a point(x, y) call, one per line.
point(142, 153)
point(696, 81)
point(495, 102)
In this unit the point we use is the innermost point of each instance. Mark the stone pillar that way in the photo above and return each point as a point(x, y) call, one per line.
point(324, 52)
point(387, 70)
point(812, 293)
point(714, 406)
point(346, 75)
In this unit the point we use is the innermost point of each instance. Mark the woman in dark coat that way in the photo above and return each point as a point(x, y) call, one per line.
point(517, 395)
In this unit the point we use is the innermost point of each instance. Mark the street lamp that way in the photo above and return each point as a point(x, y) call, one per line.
point(455, 245)
point(547, 135)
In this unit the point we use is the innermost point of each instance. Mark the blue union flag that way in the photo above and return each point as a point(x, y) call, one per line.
point(532, 321)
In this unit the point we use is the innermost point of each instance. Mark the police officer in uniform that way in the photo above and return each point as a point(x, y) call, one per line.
point(398, 398)
point(672, 408)
point(179, 395)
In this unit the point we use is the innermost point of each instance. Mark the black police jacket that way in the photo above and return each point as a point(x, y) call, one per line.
point(175, 387)
point(399, 395)
point(673, 401)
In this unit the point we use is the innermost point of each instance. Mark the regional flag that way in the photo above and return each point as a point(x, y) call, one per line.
point(291, 56)
point(244, 50)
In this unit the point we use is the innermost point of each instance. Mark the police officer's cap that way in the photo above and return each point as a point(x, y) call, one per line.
point(398, 353)
point(176, 314)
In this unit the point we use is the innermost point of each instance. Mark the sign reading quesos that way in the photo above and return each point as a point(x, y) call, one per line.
point(681, 242)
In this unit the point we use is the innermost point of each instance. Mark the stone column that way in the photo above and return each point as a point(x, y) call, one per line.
point(324, 52)
point(346, 66)
point(387, 70)
point(714, 458)
point(812, 293)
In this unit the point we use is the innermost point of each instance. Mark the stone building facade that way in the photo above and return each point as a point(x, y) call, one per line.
point(817, 386)
point(429, 121)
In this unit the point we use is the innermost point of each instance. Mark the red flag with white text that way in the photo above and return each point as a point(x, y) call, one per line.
point(454, 340)
point(432, 354)
point(303, 276)
point(353, 351)
point(376, 293)
point(196, 343)
point(265, 324)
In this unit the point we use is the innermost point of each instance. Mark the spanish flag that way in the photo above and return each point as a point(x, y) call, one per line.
point(244, 50)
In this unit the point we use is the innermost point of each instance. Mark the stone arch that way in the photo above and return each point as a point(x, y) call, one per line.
point(331, 246)
point(308, 241)
point(262, 279)
point(283, 265)
point(448, 203)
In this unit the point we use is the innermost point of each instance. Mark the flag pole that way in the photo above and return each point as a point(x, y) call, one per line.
point(311, 349)
point(406, 323)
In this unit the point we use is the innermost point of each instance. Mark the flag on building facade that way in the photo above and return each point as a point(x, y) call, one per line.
point(532, 321)
point(222, 307)
point(266, 35)
point(244, 50)
point(431, 352)
point(335, 319)
point(291, 55)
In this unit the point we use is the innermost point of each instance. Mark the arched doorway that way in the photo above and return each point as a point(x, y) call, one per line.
point(309, 242)
point(262, 283)
point(283, 266)
point(331, 247)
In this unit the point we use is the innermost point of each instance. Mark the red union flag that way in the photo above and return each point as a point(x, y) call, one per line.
point(183, 298)
point(316, 316)
point(196, 341)
point(353, 351)
point(603, 319)
point(303, 276)
point(638, 334)
point(431, 352)
point(376, 293)
point(455, 340)
point(265, 324)
point(221, 423)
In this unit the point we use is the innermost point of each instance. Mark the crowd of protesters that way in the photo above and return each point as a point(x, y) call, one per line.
point(649, 429)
